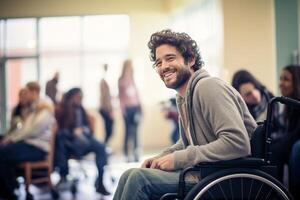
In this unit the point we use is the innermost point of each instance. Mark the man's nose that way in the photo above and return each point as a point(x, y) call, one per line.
point(164, 64)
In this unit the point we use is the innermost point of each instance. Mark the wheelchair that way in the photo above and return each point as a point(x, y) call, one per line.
point(252, 177)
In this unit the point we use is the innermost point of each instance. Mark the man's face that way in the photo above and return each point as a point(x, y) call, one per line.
point(171, 67)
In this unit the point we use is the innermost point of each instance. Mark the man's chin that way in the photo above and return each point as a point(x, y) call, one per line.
point(171, 85)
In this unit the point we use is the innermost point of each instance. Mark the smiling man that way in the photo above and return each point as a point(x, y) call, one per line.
point(215, 122)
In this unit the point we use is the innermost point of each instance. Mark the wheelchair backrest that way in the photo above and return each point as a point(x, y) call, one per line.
point(258, 141)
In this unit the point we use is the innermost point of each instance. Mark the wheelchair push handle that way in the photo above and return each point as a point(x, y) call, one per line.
point(283, 100)
point(287, 101)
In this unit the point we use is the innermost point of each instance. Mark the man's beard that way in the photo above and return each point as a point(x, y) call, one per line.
point(182, 76)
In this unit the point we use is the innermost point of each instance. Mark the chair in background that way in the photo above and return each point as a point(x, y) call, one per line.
point(37, 172)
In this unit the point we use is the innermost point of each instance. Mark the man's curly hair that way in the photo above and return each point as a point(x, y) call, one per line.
point(181, 41)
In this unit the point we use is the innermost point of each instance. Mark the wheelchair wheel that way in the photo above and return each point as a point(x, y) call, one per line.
point(239, 184)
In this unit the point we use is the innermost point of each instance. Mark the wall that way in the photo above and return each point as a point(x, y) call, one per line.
point(286, 33)
point(249, 39)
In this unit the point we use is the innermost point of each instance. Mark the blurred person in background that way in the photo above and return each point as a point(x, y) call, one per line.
point(131, 111)
point(171, 113)
point(75, 137)
point(285, 146)
point(51, 88)
point(253, 92)
point(30, 142)
point(20, 111)
point(106, 108)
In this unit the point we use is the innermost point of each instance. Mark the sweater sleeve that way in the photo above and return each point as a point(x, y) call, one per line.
point(222, 112)
point(177, 146)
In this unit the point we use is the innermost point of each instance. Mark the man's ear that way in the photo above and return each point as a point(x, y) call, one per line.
point(191, 61)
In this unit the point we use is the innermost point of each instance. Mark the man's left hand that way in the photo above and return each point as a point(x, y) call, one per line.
point(165, 163)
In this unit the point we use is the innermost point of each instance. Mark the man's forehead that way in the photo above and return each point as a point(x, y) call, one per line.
point(165, 49)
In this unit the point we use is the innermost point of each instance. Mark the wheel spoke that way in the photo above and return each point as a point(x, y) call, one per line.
point(211, 195)
point(261, 185)
point(270, 191)
point(222, 191)
point(242, 188)
point(231, 189)
point(250, 189)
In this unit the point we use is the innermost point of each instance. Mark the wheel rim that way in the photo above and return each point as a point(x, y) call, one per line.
point(261, 179)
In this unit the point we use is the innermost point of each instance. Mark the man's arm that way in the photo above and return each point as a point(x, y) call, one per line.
point(153, 162)
point(222, 112)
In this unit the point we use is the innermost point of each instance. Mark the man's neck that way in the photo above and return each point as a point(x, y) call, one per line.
point(181, 90)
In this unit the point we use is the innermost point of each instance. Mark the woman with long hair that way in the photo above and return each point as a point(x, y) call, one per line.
point(75, 136)
point(131, 110)
point(253, 92)
point(286, 148)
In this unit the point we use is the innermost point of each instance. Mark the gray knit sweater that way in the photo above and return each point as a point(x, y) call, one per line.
point(220, 123)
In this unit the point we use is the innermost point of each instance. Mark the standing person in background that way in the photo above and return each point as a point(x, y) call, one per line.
point(106, 108)
point(285, 145)
point(253, 92)
point(51, 87)
point(131, 109)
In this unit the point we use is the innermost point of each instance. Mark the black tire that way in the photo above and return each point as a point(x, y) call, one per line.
point(239, 184)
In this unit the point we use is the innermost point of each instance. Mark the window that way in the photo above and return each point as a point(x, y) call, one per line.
point(20, 37)
point(75, 46)
point(78, 46)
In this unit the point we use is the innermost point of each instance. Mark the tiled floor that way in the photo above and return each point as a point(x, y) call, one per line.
point(86, 189)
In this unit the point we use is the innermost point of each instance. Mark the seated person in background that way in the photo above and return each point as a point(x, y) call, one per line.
point(253, 92)
point(75, 136)
point(214, 119)
point(282, 142)
point(30, 142)
point(20, 111)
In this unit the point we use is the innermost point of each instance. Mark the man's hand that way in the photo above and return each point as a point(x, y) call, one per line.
point(147, 162)
point(165, 163)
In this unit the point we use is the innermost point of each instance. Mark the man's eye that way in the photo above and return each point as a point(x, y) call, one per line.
point(158, 64)
point(170, 58)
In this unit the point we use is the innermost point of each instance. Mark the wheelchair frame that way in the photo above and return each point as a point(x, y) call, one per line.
point(257, 167)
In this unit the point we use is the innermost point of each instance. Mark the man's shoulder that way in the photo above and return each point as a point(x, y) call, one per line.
point(210, 82)
point(212, 87)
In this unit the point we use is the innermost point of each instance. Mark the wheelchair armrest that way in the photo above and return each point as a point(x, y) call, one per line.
point(239, 162)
